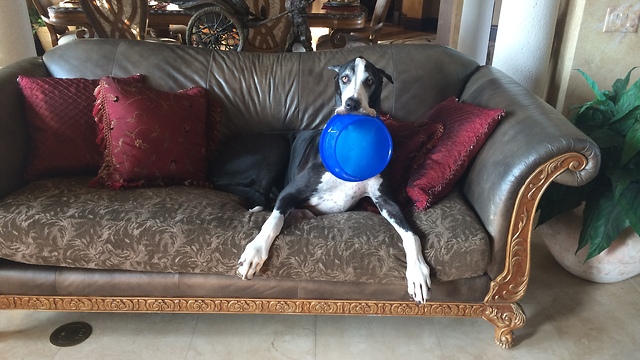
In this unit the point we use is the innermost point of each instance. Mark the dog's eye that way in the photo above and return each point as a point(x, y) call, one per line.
point(369, 81)
point(344, 79)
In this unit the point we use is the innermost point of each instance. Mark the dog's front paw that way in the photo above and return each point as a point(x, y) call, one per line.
point(251, 261)
point(419, 281)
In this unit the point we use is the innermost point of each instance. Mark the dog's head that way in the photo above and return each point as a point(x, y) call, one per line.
point(358, 87)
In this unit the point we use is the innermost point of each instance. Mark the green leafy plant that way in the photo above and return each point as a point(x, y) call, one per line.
point(612, 199)
point(35, 19)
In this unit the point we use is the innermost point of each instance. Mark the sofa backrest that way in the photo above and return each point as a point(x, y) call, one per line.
point(272, 92)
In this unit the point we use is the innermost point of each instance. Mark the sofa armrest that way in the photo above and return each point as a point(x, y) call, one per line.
point(14, 138)
point(531, 134)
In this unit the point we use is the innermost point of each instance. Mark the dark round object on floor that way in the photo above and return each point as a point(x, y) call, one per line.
point(70, 334)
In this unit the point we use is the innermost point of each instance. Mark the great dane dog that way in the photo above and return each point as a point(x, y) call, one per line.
point(358, 91)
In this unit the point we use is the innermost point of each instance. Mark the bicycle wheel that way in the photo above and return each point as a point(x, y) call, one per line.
point(214, 28)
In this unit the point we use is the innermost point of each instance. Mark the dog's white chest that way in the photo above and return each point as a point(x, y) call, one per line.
point(335, 195)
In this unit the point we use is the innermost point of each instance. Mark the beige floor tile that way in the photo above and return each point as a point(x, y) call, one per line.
point(635, 281)
point(134, 336)
point(25, 334)
point(472, 339)
point(592, 321)
point(373, 338)
point(596, 321)
point(264, 337)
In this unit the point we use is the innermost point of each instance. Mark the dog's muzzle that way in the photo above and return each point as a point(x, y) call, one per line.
point(353, 105)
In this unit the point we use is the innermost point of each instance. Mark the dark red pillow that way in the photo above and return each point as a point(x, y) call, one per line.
point(150, 137)
point(466, 128)
point(410, 144)
point(61, 128)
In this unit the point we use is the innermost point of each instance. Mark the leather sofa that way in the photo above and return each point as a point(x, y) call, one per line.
point(65, 246)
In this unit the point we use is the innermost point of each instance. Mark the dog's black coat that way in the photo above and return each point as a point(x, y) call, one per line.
point(252, 166)
point(310, 185)
point(257, 167)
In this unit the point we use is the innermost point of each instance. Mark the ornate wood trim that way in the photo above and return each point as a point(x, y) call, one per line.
point(506, 318)
point(510, 286)
point(259, 306)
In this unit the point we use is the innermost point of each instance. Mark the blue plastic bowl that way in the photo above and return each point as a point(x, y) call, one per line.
point(355, 147)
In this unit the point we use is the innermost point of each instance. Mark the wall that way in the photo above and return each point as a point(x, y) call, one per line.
point(524, 41)
point(16, 41)
point(496, 12)
point(475, 26)
point(449, 17)
point(580, 43)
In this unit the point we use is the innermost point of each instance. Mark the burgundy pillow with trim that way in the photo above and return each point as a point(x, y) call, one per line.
point(410, 144)
point(150, 137)
point(466, 128)
point(61, 126)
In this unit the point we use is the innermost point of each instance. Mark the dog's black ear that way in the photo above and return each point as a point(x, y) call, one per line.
point(335, 68)
point(385, 75)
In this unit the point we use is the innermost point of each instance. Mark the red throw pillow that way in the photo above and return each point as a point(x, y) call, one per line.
point(466, 128)
point(410, 144)
point(61, 128)
point(150, 137)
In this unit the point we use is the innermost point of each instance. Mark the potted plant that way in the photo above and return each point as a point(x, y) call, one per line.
point(36, 24)
point(35, 19)
point(612, 200)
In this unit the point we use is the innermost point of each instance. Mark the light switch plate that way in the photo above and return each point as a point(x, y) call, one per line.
point(623, 20)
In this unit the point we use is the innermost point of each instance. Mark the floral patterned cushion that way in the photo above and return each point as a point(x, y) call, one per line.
point(192, 229)
point(150, 137)
point(466, 128)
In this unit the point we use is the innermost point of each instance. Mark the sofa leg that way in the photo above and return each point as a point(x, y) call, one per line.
point(506, 318)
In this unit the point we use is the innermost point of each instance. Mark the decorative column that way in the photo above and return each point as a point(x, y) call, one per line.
point(449, 16)
point(524, 40)
point(475, 27)
point(16, 41)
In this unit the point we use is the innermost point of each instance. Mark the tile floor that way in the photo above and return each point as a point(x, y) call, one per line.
point(568, 318)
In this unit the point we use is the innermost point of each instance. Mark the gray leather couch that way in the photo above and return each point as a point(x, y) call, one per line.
point(65, 246)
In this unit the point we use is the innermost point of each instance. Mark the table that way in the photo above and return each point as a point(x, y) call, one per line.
point(341, 21)
point(157, 19)
point(337, 19)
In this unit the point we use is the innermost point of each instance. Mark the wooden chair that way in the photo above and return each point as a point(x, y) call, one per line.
point(368, 35)
point(270, 36)
point(59, 34)
point(120, 19)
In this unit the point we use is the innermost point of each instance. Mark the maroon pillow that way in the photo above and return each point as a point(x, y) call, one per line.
point(410, 144)
point(466, 128)
point(150, 137)
point(61, 127)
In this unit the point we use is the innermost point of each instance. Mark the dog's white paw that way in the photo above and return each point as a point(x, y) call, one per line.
point(418, 281)
point(256, 209)
point(251, 260)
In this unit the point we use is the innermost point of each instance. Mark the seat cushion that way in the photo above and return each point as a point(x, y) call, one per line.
point(189, 229)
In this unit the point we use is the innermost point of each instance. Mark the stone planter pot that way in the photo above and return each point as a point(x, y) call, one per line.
point(619, 262)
